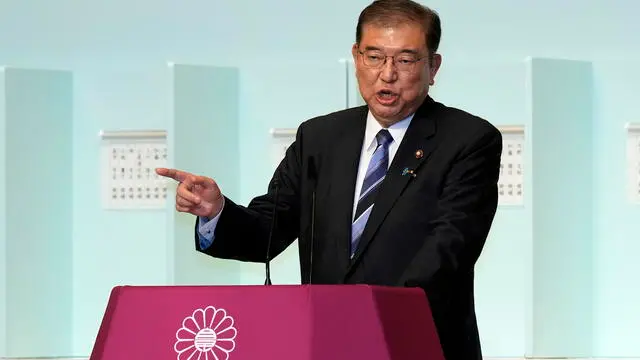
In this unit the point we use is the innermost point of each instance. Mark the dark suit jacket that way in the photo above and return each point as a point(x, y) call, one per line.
point(425, 230)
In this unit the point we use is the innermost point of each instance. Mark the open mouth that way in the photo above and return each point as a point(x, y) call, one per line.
point(386, 97)
point(386, 93)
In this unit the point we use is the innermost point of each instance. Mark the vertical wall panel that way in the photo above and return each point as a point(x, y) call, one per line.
point(203, 139)
point(562, 140)
point(38, 120)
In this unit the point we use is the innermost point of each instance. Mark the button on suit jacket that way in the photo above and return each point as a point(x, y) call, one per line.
point(428, 226)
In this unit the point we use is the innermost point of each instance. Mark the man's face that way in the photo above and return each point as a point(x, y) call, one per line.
point(394, 89)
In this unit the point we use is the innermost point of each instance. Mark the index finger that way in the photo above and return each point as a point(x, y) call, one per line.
point(175, 174)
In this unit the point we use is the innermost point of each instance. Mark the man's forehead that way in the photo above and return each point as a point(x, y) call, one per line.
point(400, 37)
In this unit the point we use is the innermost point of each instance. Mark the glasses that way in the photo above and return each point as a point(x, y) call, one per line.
point(403, 62)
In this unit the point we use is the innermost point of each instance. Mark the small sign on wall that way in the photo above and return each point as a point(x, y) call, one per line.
point(511, 181)
point(128, 163)
point(633, 162)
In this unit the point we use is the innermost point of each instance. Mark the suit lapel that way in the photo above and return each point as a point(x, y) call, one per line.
point(345, 160)
point(413, 151)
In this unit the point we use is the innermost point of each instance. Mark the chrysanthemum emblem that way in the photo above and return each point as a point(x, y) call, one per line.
point(208, 334)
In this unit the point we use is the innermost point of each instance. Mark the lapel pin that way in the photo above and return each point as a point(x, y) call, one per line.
point(407, 171)
point(419, 154)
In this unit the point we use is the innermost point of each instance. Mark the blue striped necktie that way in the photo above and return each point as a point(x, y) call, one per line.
point(373, 179)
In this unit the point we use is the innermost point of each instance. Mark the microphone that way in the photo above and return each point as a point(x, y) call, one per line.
point(313, 178)
point(276, 185)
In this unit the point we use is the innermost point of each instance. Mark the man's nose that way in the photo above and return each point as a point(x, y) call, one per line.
point(388, 73)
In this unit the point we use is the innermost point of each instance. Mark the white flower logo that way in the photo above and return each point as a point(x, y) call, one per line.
point(208, 334)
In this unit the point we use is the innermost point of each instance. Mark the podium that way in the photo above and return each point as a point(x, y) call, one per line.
point(276, 322)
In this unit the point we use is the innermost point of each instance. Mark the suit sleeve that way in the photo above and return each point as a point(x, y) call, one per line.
point(466, 210)
point(242, 233)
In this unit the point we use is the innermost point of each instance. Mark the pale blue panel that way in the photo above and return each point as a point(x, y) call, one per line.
point(112, 247)
point(280, 95)
point(39, 185)
point(204, 139)
point(562, 138)
point(616, 220)
point(3, 222)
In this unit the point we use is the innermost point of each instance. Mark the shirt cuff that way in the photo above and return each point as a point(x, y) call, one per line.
point(207, 229)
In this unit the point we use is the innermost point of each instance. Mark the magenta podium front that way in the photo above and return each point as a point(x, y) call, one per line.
point(278, 322)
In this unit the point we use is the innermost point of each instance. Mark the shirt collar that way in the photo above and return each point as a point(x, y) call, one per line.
point(396, 130)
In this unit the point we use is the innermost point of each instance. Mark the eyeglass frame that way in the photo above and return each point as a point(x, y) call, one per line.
point(393, 57)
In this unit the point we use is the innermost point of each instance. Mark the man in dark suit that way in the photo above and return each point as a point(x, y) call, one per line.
point(403, 191)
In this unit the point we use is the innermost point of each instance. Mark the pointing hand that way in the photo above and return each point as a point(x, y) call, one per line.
point(197, 195)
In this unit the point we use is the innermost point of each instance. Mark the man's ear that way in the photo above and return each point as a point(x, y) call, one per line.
point(436, 61)
point(354, 52)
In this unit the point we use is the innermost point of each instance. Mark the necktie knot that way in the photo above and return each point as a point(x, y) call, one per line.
point(384, 138)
